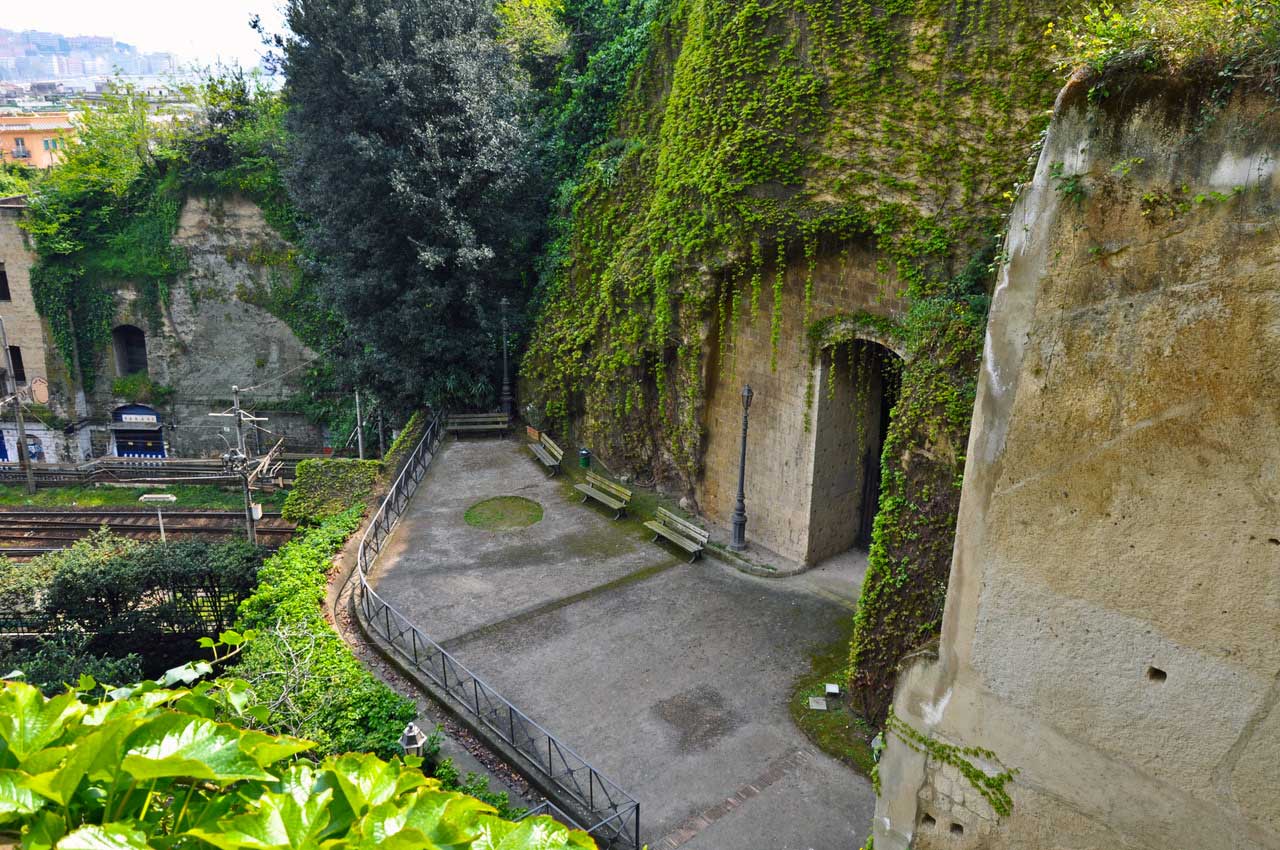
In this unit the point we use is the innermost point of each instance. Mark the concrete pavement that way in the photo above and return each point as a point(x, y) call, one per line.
point(671, 678)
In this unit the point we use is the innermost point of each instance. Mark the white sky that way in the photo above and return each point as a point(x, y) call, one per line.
point(197, 30)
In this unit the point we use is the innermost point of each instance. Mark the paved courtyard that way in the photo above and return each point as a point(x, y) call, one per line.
point(671, 678)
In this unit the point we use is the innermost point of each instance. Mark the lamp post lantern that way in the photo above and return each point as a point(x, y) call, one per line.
point(738, 541)
point(506, 374)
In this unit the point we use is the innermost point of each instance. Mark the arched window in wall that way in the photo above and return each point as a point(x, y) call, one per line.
point(130, 345)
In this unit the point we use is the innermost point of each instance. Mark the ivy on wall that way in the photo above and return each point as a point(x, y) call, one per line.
point(756, 135)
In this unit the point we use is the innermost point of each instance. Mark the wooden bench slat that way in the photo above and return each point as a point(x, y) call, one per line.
point(469, 422)
point(681, 532)
point(606, 492)
point(683, 542)
point(599, 496)
point(685, 527)
point(548, 453)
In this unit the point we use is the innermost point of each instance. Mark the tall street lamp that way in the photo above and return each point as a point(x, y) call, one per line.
point(738, 542)
point(158, 499)
point(506, 374)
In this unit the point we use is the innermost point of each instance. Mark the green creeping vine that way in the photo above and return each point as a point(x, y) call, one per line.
point(760, 133)
point(991, 786)
point(842, 329)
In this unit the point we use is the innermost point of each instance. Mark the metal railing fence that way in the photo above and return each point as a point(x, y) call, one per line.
point(611, 815)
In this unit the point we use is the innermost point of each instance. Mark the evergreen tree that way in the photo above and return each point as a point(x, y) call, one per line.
point(411, 168)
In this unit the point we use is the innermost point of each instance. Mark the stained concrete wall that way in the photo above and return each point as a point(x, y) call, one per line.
point(782, 451)
point(22, 323)
point(1111, 626)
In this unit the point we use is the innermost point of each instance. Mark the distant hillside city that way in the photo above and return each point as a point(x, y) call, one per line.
point(32, 55)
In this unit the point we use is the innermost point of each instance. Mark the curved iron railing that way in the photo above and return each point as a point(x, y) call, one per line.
point(597, 804)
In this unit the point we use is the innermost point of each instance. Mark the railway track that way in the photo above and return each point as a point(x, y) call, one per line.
point(28, 532)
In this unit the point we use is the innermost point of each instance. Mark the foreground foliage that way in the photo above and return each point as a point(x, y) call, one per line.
point(158, 766)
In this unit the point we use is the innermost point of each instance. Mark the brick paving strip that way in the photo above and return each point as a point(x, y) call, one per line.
point(776, 770)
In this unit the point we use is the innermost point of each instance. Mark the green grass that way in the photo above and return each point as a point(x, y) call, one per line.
point(840, 731)
point(189, 496)
point(504, 513)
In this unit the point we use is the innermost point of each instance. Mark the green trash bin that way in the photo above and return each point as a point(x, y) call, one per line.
point(584, 458)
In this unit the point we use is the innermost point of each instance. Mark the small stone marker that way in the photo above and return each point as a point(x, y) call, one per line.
point(818, 703)
point(833, 690)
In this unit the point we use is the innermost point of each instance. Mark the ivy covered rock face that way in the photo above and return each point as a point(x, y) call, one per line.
point(758, 136)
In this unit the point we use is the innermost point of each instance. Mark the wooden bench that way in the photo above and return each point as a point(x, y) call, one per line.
point(548, 452)
point(459, 423)
point(605, 492)
point(681, 532)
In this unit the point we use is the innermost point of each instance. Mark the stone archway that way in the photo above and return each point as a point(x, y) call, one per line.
point(858, 380)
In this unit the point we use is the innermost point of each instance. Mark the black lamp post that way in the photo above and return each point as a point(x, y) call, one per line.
point(506, 374)
point(738, 541)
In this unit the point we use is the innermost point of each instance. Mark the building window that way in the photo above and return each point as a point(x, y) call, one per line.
point(19, 373)
point(131, 350)
point(4, 284)
point(46, 144)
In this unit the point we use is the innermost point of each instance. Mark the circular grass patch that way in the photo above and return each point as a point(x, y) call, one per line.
point(504, 513)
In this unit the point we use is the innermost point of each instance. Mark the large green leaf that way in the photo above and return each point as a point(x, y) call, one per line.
point(449, 819)
point(540, 833)
point(180, 745)
point(277, 821)
point(368, 781)
point(43, 831)
point(16, 800)
point(268, 749)
point(96, 755)
point(29, 722)
point(109, 836)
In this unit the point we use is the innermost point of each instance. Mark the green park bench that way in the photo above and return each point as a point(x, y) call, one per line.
point(681, 532)
point(548, 453)
point(462, 423)
point(605, 492)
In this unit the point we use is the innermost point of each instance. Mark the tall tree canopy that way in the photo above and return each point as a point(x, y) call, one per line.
point(410, 166)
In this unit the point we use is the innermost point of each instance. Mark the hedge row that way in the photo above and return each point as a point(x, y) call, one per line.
point(299, 665)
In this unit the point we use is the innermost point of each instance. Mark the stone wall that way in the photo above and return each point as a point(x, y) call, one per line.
point(1111, 619)
point(780, 482)
point(213, 334)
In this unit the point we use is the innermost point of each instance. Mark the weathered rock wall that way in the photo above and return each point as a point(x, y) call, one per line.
point(212, 333)
point(1111, 621)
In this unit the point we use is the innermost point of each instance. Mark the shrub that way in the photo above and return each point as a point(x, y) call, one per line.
point(1233, 38)
point(109, 599)
point(52, 663)
point(150, 766)
point(325, 487)
point(300, 667)
point(139, 387)
point(107, 585)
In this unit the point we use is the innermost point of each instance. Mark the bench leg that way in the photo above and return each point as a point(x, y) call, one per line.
point(694, 557)
point(617, 516)
point(584, 499)
point(655, 539)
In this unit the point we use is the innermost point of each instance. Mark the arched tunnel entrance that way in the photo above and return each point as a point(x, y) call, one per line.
point(858, 386)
